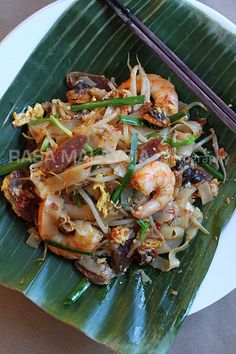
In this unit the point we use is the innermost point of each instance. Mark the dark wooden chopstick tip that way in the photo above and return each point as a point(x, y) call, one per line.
point(185, 74)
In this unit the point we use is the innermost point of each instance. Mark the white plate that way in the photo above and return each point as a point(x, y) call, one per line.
point(14, 51)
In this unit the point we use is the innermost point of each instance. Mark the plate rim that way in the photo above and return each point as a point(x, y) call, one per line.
point(199, 302)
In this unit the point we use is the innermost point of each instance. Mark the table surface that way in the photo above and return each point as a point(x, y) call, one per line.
point(24, 328)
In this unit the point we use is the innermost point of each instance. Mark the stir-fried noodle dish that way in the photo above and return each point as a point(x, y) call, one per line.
point(114, 175)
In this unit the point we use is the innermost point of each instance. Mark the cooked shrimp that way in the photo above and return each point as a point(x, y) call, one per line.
point(154, 177)
point(83, 235)
point(162, 91)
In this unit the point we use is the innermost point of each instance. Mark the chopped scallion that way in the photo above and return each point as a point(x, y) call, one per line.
point(39, 121)
point(188, 141)
point(78, 291)
point(57, 123)
point(144, 227)
point(88, 149)
point(45, 144)
point(116, 195)
point(77, 200)
point(98, 151)
point(211, 170)
point(170, 141)
point(94, 167)
point(131, 120)
point(154, 135)
point(92, 152)
point(177, 116)
point(54, 120)
point(18, 164)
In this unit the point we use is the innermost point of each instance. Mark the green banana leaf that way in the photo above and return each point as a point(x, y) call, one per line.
point(128, 316)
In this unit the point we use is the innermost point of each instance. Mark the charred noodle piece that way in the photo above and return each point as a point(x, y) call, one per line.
point(78, 80)
point(154, 116)
point(195, 175)
point(109, 102)
point(31, 144)
point(116, 195)
point(20, 193)
point(59, 159)
point(119, 260)
point(18, 164)
point(97, 272)
point(78, 291)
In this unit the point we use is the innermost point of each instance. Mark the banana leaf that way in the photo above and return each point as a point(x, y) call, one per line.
point(128, 316)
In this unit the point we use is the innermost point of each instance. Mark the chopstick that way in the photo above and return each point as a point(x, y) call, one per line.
point(185, 74)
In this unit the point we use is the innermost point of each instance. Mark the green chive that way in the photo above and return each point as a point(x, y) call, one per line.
point(53, 120)
point(92, 152)
point(131, 120)
point(116, 195)
point(94, 167)
point(39, 121)
point(78, 291)
point(88, 149)
point(212, 171)
point(56, 122)
point(154, 135)
point(18, 164)
point(144, 227)
point(98, 151)
point(77, 200)
point(109, 102)
point(188, 141)
point(177, 116)
point(45, 144)
point(170, 141)
point(66, 248)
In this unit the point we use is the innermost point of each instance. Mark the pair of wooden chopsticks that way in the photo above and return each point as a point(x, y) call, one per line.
point(192, 81)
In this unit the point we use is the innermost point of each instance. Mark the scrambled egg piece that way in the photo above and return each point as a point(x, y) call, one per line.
point(31, 113)
point(151, 244)
point(120, 234)
point(214, 185)
point(104, 199)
